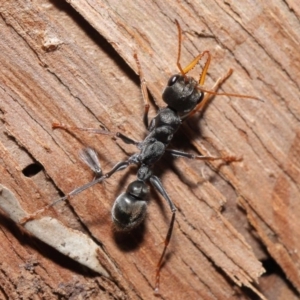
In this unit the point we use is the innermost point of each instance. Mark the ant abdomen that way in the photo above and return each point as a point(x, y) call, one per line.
point(130, 208)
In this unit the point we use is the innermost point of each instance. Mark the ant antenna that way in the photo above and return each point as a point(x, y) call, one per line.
point(191, 65)
point(179, 49)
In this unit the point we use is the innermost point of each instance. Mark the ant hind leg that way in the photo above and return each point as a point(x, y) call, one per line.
point(118, 167)
point(158, 185)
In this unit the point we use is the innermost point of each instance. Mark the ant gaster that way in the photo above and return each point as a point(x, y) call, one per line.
point(184, 97)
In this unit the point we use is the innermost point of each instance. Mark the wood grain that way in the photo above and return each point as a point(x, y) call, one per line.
point(72, 62)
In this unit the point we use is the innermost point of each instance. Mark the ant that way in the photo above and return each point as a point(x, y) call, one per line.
point(184, 97)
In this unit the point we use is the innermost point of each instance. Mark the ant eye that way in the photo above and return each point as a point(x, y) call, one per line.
point(173, 79)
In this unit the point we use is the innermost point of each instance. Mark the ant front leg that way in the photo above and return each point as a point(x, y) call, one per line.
point(158, 185)
point(208, 96)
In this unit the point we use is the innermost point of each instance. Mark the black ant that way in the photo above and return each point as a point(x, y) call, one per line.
point(184, 97)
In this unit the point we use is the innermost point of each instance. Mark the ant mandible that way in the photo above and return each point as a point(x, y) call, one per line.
point(184, 97)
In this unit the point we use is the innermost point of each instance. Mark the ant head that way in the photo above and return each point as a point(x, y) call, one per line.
point(181, 93)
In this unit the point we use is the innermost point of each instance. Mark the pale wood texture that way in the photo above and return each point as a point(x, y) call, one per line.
point(64, 62)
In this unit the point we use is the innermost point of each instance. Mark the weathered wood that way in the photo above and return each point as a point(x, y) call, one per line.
point(61, 65)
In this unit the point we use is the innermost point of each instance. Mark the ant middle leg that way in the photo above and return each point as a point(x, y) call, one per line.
point(124, 138)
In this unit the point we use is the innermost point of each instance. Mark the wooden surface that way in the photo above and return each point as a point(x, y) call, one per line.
point(72, 62)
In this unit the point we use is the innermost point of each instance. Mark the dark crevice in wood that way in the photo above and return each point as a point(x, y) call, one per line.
point(32, 169)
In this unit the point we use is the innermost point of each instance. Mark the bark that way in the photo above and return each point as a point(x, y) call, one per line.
point(73, 62)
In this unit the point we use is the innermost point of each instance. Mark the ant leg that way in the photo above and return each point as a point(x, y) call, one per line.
point(210, 93)
point(158, 185)
point(118, 167)
point(144, 92)
point(179, 153)
point(119, 135)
